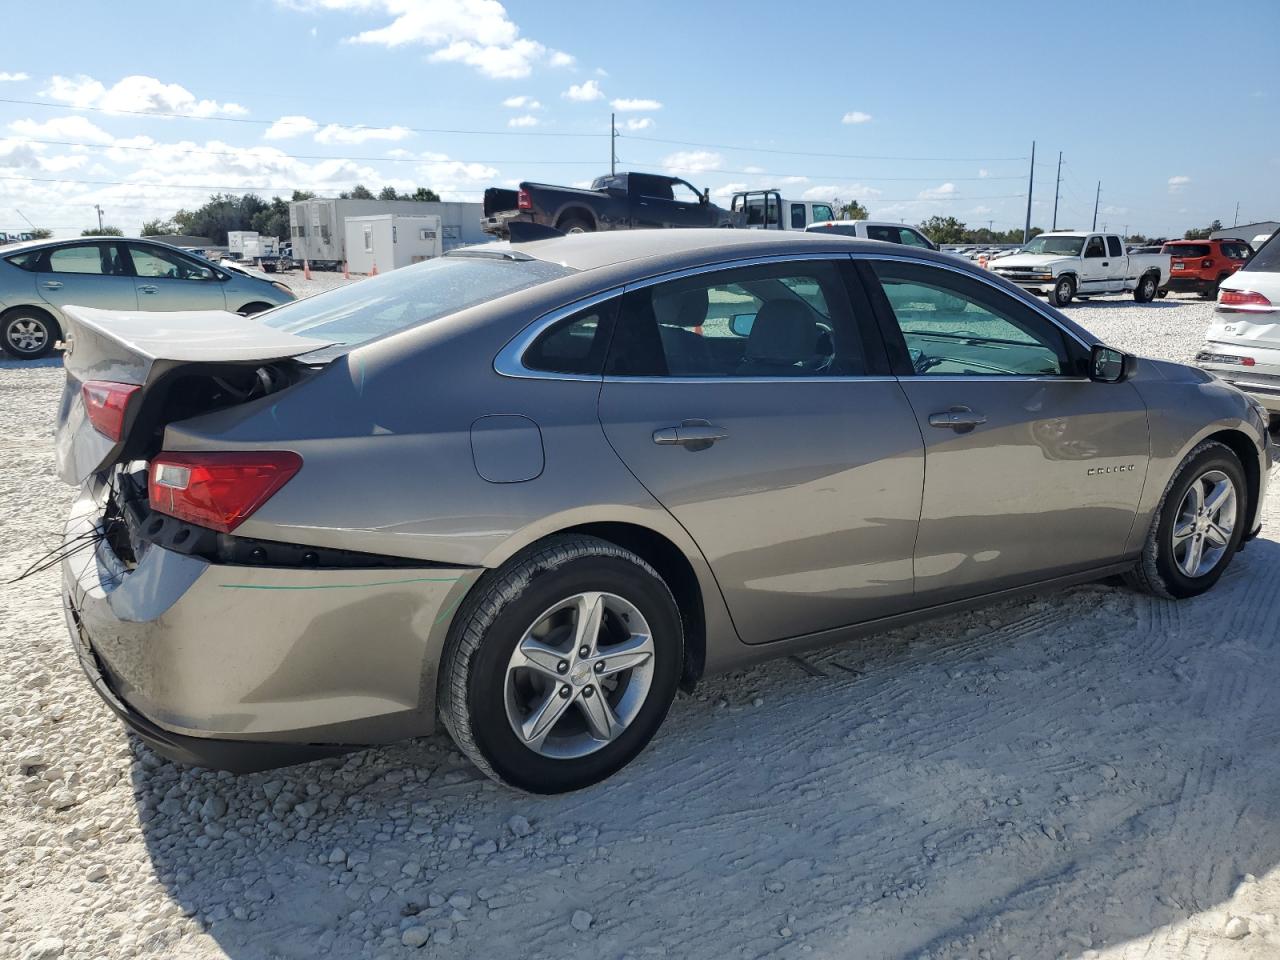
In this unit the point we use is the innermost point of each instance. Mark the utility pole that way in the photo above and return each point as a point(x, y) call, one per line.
point(1235, 221)
point(1031, 183)
point(99, 209)
point(1096, 197)
point(1057, 188)
point(613, 144)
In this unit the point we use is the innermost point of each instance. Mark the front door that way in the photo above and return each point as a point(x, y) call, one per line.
point(750, 402)
point(1095, 266)
point(1032, 470)
point(168, 280)
point(88, 274)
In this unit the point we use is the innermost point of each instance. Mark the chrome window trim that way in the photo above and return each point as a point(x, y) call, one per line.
point(510, 360)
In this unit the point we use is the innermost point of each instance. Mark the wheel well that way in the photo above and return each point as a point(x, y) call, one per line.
point(1247, 453)
point(254, 306)
point(665, 557)
point(32, 308)
point(576, 213)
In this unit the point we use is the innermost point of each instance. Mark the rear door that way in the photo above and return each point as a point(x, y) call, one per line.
point(754, 403)
point(1032, 470)
point(92, 274)
point(168, 280)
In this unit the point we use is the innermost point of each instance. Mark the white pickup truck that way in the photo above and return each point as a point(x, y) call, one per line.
point(1069, 264)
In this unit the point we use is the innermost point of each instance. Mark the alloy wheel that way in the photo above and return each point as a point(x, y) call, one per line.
point(1205, 521)
point(579, 675)
point(26, 335)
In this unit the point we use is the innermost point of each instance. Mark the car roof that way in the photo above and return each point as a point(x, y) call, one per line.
point(590, 251)
point(11, 248)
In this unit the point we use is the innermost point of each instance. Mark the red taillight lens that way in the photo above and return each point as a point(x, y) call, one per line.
point(1245, 299)
point(524, 201)
point(106, 404)
point(1206, 264)
point(218, 490)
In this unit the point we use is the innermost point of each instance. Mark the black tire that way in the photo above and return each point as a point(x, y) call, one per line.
point(1157, 572)
point(576, 225)
point(28, 333)
point(1062, 292)
point(249, 309)
point(1146, 290)
point(492, 621)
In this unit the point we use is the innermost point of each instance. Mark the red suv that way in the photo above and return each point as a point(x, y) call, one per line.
point(1199, 266)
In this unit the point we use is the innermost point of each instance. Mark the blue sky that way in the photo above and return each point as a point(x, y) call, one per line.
point(913, 109)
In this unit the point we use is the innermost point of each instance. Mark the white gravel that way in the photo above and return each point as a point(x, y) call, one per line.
point(1088, 774)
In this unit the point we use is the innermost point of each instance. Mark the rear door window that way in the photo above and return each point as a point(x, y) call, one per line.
point(1114, 247)
point(887, 234)
point(95, 258)
point(797, 216)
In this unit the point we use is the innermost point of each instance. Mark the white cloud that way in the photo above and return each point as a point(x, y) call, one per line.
point(638, 123)
point(1178, 184)
point(857, 191)
point(624, 105)
point(527, 120)
point(522, 103)
point(726, 190)
point(984, 173)
point(290, 126)
point(73, 127)
point(13, 77)
point(753, 169)
point(584, 92)
point(856, 116)
point(601, 72)
point(478, 33)
point(337, 133)
point(136, 94)
point(941, 192)
point(692, 161)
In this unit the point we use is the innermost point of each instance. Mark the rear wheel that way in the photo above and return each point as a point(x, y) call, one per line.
point(576, 225)
point(561, 667)
point(1063, 291)
point(1146, 289)
point(1198, 527)
point(28, 333)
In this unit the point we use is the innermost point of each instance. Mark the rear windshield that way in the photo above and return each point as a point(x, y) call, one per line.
point(1187, 249)
point(410, 296)
point(1268, 256)
point(844, 229)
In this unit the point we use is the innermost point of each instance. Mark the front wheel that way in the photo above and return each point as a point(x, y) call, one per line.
point(1198, 527)
point(1146, 289)
point(1063, 291)
point(561, 665)
point(29, 334)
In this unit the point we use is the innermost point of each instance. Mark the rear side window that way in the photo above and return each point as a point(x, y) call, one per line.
point(1235, 250)
point(576, 344)
point(410, 296)
point(797, 216)
point(1114, 247)
point(26, 261)
point(1268, 257)
point(886, 234)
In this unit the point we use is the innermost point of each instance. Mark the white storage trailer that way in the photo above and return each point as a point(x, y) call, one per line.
point(391, 242)
point(319, 236)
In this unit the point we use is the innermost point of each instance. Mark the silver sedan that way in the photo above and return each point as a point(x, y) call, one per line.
point(38, 280)
point(531, 489)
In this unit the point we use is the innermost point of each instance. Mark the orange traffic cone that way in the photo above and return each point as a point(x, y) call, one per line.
point(346, 274)
point(374, 271)
point(306, 270)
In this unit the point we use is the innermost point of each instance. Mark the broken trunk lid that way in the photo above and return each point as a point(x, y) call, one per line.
point(137, 348)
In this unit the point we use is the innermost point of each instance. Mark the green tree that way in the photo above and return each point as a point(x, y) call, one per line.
point(1202, 233)
point(358, 192)
point(424, 194)
point(159, 228)
point(273, 220)
point(302, 195)
point(944, 230)
point(107, 231)
point(41, 233)
point(852, 210)
point(224, 212)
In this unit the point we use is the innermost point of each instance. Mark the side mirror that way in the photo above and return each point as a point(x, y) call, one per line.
point(1108, 365)
point(741, 323)
point(706, 196)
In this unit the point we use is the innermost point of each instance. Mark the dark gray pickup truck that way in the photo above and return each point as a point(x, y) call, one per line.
point(621, 201)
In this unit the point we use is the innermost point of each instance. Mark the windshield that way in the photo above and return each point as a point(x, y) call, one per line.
point(1064, 246)
point(1268, 256)
point(1187, 249)
point(412, 295)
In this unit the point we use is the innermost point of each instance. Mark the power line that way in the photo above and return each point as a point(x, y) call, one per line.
point(171, 186)
point(806, 153)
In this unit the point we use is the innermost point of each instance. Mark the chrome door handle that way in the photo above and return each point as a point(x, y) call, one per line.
point(148, 288)
point(53, 284)
point(694, 433)
point(957, 418)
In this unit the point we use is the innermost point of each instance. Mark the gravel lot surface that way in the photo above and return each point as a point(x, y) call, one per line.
point(1086, 774)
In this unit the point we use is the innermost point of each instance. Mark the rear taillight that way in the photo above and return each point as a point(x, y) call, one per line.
point(524, 201)
point(106, 404)
point(218, 490)
point(1206, 264)
point(1242, 300)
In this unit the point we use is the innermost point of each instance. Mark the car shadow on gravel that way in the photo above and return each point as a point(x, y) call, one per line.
point(1037, 778)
